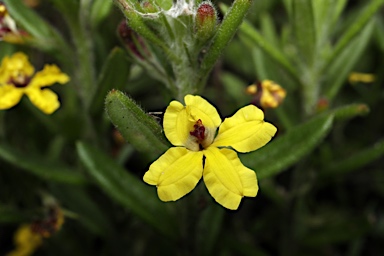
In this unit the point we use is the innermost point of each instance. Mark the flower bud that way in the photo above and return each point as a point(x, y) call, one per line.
point(133, 41)
point(205, 20)
point(267, 94)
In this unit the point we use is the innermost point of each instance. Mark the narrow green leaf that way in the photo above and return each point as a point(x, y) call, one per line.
point(350, 111)
point(137, 23)
point(100, 10)
point(355, 161)
point(127, 189)
point(86, 210)
point(379, 35)
point(350, 33)
point(289, 148)
point(114, 74)
point(340, 68)
point(137, 127)
point(38, 166)
point(268, 29)
point(224, 34)
point(208, 229)
point(234, 86)
point(288, 6)
point(248, 31)
point(304, 29)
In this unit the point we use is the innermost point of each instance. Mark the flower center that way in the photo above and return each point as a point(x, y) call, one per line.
point(199, 133)
point(20, 80)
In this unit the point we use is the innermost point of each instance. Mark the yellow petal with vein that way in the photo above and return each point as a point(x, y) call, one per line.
point(9, 96)
point(245, 131)
point(203, 110)
point(45, 100)
point(175, 173)
point(227, 179)
point(177, 124)
point(48, 76)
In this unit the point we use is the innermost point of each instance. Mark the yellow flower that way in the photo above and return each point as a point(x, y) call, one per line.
point(268, 94)
point(17, 78)
point(356, 77)
point(192, 129)
point(26, 241)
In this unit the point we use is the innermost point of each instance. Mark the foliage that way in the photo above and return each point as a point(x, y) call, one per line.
point(321, 177)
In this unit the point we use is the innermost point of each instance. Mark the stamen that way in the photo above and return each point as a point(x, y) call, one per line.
point(199, 131)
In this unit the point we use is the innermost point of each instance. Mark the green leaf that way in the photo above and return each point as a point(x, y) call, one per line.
point(114, 74)
point(247, 31)
point(269, 30)
point(227, 29)
point(137, 127)
point(339, 69)
point(234, 87)
point(100, 10)
point(38, 166)
point(356, 26)
point(208, 229)
point(87, 212)
point(355, 161)
point(127, 189)
point(349, 111)
point(379, 35)
point(289, 148)
point(304, 29)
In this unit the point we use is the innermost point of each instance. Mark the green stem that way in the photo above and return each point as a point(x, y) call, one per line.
point(84, 46)
point(226, 31)
point(364, 17)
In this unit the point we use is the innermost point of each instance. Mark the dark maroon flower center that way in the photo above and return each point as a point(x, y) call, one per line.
point(20, 81)
point(199, 131)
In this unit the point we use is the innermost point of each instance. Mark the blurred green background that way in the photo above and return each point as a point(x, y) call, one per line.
point(321, 178)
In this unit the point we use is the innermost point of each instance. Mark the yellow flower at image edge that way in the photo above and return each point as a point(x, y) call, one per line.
point(18, 77)
point(26, 241)
point(199, 153)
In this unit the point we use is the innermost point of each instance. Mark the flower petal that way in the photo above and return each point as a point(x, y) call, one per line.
point(245, 131)
point(9, 96)
point(227, 179)
point(176, 123)
point(175, 173)
point(179, 121)
point(15, 66)
point(202, 109)
point(46, 100)
point(49, 75)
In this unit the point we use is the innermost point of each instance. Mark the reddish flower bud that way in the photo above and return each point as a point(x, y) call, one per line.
point(133, 41)
point(205, 20)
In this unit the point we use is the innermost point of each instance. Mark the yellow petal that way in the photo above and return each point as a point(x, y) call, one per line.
point(49, 75)
point(9, 96)
point(179, 121)
point(227, 179)
point(46, 100)
point(15, 66)
point(175, 173)
point(203, 110)
point(245, 131)
point(176, 123)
